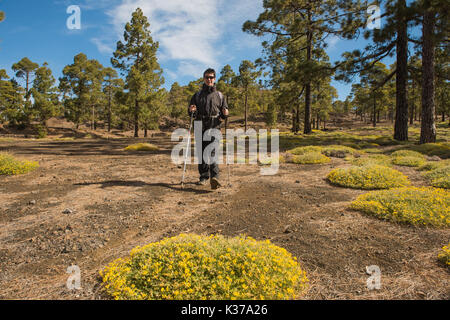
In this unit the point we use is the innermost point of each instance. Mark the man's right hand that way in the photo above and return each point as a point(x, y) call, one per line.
point(192, 108)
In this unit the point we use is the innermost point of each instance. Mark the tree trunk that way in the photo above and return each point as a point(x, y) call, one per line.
point(109, 112)
point(413, 105)
point(374, 123)
point(136, 119)
point(145, 131)
point(428, 127)
point(307, 127)
point(401, 116)
point(245, 105)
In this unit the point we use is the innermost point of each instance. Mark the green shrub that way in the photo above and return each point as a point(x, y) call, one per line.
point(141, 147)
point(373, 150)
point(371, 159)
point(368, 177)
point(417, 206)
point(441, 149)
point(303, 150)
point(432, 165)
point(439, 177)
point(41, 132)
point(11, 166)
point(330, 151)
point(198, 267)
point(369, 145)
point(311, 157)
point(407, 153)
point(386, 141)
point(409, 161)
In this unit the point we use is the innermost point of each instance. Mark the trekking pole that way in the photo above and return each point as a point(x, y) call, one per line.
point(228, 164)
point(187, 150)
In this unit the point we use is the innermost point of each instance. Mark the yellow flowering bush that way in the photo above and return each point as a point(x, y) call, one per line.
point(368, 177)
point(386, 141)
point(373, 150)
point(141, 147)
point(329, 150)
point(12, 166)
point(303, 150)
point(326, 150)
point(417, 206)
point(439, 177)
point(371, 159)
point(311, 157)
point(196, 267)
point(444, 255)
point(409, 161)
point(407, 153)
point(432, 165)
point(441, 149)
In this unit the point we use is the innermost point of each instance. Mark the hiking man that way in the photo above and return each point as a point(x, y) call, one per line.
point(209, 107)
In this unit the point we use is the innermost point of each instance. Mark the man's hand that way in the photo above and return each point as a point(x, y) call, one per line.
point(192, 108)
point(225, 112)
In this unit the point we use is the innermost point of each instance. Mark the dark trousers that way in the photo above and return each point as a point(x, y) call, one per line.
point(208, 170)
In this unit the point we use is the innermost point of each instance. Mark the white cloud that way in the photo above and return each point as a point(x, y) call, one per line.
point(186, 30)
point(331, 42)
point(102, 47)
point(190, 33)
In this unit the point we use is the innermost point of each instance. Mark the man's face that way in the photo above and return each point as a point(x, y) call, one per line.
point(209, 79)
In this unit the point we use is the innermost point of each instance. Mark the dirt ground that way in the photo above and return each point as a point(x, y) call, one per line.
point(118, 200)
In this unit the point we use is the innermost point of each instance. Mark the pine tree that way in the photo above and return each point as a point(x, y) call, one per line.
point(111, 85)
point(434, 21)
point(372, 79)
point(177, 101)
point(136, 57)
point(225, 85)
point(246, 79)
point(82, 82)
point(300, 29)
point(11, 101)
point(391, 38)
point(45, 95)
point(25, 69)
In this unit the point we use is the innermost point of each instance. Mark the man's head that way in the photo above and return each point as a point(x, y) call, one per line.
point(209, 77)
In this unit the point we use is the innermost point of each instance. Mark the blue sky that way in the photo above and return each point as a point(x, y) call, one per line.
point(193, 35)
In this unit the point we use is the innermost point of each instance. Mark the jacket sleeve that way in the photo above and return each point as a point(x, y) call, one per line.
point(191, 103)
point(223, 107)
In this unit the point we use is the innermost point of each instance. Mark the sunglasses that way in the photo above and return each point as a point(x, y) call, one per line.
point(210, 78)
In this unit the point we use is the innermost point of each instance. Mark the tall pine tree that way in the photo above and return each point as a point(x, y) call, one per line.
point(300, 28)
point(45, 95)
point(136, 58)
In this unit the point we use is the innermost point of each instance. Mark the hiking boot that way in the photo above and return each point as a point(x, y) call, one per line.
point(215, 183)
point(202, 182)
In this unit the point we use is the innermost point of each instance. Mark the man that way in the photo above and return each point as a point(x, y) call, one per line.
point(209, 107)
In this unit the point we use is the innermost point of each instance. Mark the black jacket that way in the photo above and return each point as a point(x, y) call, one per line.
point(210, 105)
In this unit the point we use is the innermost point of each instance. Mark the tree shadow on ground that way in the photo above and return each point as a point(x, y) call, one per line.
point(125, 183)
